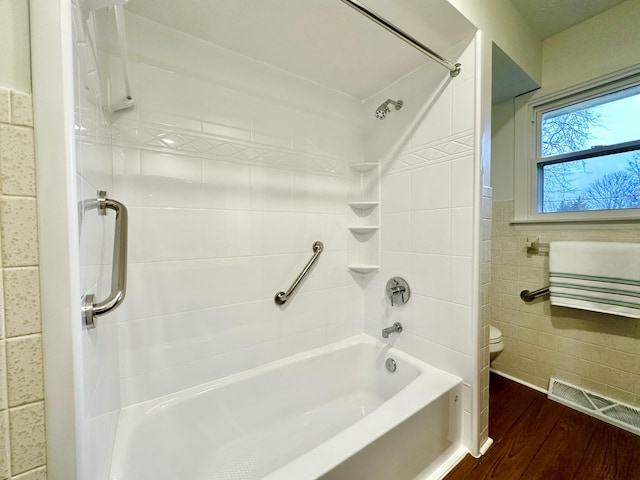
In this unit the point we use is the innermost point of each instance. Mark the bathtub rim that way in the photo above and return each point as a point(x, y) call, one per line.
point(361, 338)
point(430, 385)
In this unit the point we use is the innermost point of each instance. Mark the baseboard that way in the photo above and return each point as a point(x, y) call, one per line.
point(447, 465)
point(517, 380)
point(485, 446)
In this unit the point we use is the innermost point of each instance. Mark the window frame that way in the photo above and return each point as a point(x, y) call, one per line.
point(529, 109)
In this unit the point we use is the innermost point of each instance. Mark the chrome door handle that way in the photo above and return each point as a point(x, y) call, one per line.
point(91, 309)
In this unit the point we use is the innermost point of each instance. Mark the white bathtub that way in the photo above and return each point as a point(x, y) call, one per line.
point(332, 413)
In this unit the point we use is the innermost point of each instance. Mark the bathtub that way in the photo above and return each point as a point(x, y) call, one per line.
point(333, 413)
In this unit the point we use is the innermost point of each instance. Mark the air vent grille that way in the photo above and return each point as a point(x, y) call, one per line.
point(608, 410)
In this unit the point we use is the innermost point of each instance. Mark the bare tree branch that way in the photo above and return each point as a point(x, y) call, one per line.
point(560, 135)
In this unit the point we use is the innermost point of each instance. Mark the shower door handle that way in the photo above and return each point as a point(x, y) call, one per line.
point(91, 309)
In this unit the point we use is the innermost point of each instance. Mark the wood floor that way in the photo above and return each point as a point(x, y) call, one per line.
point(535, 438)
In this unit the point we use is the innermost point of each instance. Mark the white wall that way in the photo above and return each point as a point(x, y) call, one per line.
point(504, 25)
point(502, 150)
point(231, 169)
point(598, 46)
point(427, 231)
point(14, 45)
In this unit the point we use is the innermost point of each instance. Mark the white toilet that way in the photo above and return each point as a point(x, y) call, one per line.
point(496, 344)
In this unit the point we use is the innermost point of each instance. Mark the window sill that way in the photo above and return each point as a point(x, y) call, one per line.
point(576, 221)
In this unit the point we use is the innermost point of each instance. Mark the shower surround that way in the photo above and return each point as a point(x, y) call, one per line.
point(228, 186)
point(231, 169)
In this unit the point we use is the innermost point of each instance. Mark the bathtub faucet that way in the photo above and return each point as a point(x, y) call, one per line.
point(396, 327)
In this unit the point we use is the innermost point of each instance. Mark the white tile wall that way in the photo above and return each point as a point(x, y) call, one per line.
point(430, 187)
point(396, 195)
point(229, 185)
point(428, 198)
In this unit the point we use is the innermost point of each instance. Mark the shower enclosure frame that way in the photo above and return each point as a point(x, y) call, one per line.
point(53, 94)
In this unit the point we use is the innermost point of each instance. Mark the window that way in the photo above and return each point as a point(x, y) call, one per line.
point(581, 156)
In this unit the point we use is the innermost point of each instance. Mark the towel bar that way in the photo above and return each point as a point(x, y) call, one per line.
point(533, 245)
point(529, 296)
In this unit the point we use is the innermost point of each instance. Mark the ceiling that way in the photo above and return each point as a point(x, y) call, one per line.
point(327, 42)
point(548, 17)
point(321, 40)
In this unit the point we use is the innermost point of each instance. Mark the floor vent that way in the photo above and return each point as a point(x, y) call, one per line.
point(610, 411)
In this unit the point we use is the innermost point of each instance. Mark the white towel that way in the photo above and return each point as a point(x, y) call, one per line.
point(599, 276)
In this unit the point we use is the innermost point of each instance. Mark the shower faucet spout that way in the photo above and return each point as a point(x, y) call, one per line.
point(395, 328)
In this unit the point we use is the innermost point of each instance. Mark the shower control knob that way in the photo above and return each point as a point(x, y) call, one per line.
point(398, 291)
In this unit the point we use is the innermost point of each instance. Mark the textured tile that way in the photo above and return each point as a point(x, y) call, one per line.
point(17, 161)
point(21, 109)
point(620, 395)
point(22, 301)
point(591, 350)
point(2, 304)
point(5, 110)
point(24, 370)
point(37, 474)
point(3, 377)
point(27, 437)
point(4, 444)
point(19, 231)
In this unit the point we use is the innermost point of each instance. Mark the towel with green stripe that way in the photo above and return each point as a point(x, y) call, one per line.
point(598, 276)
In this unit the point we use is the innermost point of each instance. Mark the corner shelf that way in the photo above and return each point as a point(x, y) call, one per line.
point(362, 269)
point(363, 218)
point(364, 205)
point(362, 230)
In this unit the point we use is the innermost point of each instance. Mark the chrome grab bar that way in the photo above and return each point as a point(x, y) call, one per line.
point(529, 296)
point(282, 297)
point(91, 309)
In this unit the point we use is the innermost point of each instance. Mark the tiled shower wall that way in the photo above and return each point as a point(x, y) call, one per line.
point(22, 436)
point(594, 351)
point(231, 170)
point(429, 197)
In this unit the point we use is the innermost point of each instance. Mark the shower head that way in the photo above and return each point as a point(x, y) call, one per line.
point(381, 112)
